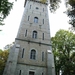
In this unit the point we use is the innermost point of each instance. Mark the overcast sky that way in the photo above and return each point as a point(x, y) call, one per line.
point(9, 30)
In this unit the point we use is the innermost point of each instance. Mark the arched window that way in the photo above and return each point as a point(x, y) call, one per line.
point(35, 19)
point(34, 35)
point(33, 54)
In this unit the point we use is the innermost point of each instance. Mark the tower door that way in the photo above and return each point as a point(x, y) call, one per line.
point(31, 73)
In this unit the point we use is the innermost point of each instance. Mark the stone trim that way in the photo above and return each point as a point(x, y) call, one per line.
point(33, 42)
point(32, 65)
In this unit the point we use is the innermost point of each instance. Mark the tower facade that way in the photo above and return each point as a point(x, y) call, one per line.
point(32, 52)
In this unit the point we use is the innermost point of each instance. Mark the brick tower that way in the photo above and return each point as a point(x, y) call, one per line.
point(32, 52)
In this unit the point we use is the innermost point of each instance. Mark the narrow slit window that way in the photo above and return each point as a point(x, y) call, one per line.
point(45, 14)
point(42, 56)
point(43, 36)
point(20, 72)
point(26, 33)
point(30, 6)
point(42, 74)
point(43, 21)
point(43, 9)
point(40, 26)
point(23, 52)
point(28, 18)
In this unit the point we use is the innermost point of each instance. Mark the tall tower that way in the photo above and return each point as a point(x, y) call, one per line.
point(32, 52)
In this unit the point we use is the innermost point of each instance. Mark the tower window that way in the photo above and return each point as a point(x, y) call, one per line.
point(43, 9)
point(42, 74)
point(35, 19)
point(31, 73)
point(43, 21)
point(45, 14)
point(40, 26)
point(43, 36)
point(37, 8)
point(23, 52)
point(28, 18)
point(42, 56)
point(20, 72)
point(26, 33)
point(34, 35)
point(30, 6)
point(33, 54)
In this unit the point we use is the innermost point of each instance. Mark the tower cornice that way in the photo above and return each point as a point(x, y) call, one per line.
point(46, 3)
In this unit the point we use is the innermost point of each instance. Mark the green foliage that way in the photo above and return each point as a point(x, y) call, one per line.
point(72, 2)
point(63, 45)
point(43, 1)
point(3, 59)
point(54, 4)
point(71, 12)
point(5, 7)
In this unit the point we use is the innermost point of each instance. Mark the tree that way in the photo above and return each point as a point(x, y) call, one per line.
point(54, 4)
point(5, 7)
point(63, 44)
point(70, 4)
point(3, 59)
point(8, 46)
